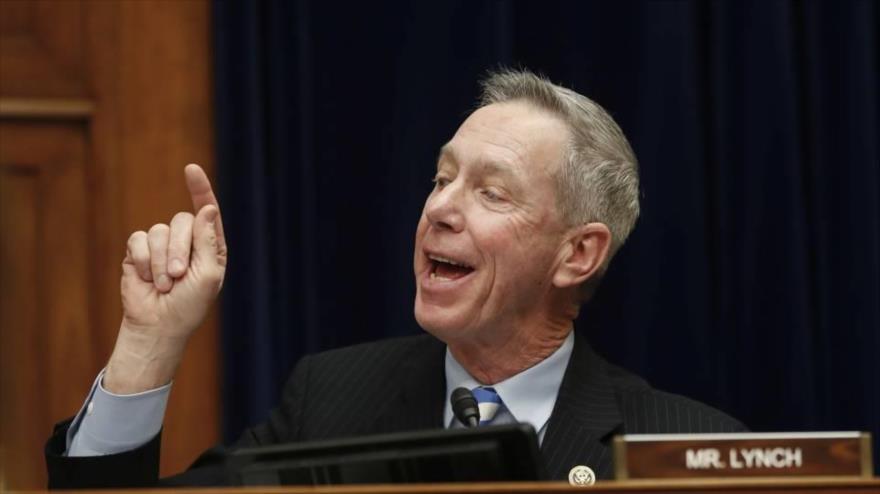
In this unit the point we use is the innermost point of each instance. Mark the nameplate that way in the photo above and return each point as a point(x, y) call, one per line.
point(779, 454)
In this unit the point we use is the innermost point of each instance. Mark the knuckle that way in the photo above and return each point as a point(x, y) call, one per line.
point(177, 250)
point(136, 237)
point(157, 264)
point(176, 245)
point(140, 255)
point(157, 255)
point(182, 217)
point(158, 228)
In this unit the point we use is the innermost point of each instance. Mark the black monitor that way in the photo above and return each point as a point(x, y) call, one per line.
point(482, 454)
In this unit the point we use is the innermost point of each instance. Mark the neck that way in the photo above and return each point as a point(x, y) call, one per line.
point(491, 362)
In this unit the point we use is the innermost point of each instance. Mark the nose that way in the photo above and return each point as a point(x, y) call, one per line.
point(444, 208)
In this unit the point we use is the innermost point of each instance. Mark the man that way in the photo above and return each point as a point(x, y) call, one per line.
point(533, 195)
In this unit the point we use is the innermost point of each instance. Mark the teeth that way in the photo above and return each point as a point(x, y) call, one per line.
point(448, 261)
point(442, 278)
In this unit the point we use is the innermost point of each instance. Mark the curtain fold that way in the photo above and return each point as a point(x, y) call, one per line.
point(752, 280)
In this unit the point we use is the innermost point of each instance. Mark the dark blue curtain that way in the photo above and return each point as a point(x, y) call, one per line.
point(752, 281)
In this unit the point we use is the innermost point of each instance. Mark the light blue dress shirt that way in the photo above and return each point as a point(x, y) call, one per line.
point(528, 397)
point(109, 423)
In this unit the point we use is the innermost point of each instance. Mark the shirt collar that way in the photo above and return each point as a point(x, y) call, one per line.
point(529, 396)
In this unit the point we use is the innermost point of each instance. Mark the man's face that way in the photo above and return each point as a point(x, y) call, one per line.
point(488, 241)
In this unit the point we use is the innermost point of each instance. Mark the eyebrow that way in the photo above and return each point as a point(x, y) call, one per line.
point(446, 150)
point(485, 165)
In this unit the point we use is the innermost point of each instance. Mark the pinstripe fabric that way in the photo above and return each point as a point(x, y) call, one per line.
point(598, 400)
point(388, 386)
point(397, 385)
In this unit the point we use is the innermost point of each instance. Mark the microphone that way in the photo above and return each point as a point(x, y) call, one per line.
point(465, 408)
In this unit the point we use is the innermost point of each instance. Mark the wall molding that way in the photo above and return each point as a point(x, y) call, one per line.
point(46, 108)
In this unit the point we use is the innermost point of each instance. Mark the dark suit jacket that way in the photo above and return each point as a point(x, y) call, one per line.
point(398, 385)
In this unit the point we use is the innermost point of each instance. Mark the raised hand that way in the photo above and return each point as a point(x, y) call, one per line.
point(170, 277)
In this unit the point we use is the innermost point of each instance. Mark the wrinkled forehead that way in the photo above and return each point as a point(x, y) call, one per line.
point(514, 133)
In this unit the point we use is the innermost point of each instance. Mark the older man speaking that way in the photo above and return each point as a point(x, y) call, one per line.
point(533, 195)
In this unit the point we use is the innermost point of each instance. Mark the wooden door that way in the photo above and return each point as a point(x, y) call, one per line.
point(101, 106)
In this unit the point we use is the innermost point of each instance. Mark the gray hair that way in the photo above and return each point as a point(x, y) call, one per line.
point(598, 180)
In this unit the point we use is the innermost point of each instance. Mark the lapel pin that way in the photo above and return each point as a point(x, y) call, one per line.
point(581, 475)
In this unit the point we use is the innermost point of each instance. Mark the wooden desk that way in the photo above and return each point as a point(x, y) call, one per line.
point(738, 486)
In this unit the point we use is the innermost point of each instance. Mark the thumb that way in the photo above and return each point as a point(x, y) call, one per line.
point(206, 247)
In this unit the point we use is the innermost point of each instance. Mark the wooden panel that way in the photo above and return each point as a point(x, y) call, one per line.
point(48, 361)
point(748, 454)
point(18, 313)
point(154, 146)
point(726, 486)
point(45, 109)
point(101, 105)
point(41, 48)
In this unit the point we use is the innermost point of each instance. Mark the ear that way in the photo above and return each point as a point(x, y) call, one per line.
point(583, 254)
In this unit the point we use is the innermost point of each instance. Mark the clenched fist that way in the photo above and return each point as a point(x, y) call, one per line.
point(170, 277)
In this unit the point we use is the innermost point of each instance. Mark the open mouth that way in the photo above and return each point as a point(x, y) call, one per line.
point(444, 269)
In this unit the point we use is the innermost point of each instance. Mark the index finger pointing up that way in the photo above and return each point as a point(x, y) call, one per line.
point(202, 195)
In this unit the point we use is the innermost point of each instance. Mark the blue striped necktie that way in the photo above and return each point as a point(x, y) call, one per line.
point(488, 402)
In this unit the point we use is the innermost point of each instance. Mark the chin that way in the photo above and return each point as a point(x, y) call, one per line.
point(443, 324)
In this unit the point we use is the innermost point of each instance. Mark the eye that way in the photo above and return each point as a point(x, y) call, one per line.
point(440, 181)
point(491, 195)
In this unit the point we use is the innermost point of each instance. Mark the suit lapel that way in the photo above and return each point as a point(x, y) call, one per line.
point(585, 415)
point(420, 401)
point(579, 429)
